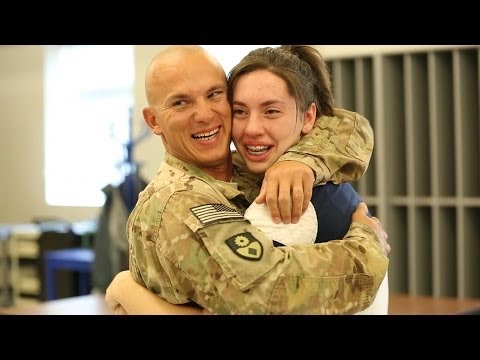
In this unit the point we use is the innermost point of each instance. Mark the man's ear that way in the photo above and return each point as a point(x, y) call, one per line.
point(309, 118)
point(151, 120)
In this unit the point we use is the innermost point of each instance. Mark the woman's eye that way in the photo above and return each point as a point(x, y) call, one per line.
point(238, 112)
point(271, 111)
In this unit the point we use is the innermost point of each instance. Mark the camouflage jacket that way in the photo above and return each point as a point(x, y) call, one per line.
point(337, 149)
point(189, 241)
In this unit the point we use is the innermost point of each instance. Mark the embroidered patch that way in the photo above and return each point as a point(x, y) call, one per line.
point(215, 212)
point(246, 246)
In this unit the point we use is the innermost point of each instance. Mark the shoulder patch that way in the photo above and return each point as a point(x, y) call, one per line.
point(246, 246)
point(212, 213)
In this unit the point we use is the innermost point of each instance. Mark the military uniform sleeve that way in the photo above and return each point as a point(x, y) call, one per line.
point(219, 260)
point(337, 149)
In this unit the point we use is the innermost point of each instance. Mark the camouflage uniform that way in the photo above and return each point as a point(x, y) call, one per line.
point(189, 242)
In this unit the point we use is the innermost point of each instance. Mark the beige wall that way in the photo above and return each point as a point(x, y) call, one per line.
point(21, 129)
point(337, 51)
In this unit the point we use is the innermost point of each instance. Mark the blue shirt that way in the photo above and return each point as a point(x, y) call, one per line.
point(334, 205)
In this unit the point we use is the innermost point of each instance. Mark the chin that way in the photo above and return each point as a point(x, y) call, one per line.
point(257, 168)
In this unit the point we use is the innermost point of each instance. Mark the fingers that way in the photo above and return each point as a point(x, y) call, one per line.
point(383, 236)
point(388, 248)
point(285, 199)
point(287, 190)
point(120, 310)
point(269, 194)
point(361, 215)
point(307, 194)
point(276, 200)
point(297, 203)
point(362, 207)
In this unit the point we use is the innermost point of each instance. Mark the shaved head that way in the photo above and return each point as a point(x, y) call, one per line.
point(174, 57)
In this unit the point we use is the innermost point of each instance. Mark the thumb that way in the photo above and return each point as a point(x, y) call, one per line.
point(261, 198)
point(362, 207)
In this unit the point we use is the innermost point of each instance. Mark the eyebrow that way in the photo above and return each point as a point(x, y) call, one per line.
point(180, 96)
point(265, 103)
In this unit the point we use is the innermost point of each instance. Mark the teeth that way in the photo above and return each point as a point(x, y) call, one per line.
point(257, 148)
point(206, 136)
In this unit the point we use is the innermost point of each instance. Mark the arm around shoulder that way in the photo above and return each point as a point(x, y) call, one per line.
point(337, 149)
point(236, 270)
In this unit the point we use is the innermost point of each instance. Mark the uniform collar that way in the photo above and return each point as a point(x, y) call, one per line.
point(228, 189)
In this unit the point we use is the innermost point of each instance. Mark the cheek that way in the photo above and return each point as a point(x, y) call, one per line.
point(285, 139)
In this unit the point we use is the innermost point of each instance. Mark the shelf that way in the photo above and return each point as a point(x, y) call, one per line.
point(424, 175)
point(24, 253)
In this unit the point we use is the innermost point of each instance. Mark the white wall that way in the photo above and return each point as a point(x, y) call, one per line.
point(21, 129)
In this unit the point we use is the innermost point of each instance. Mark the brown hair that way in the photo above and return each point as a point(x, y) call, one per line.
point(300, 66)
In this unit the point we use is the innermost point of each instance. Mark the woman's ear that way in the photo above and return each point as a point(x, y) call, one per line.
point(151, 120)
point(309, 118)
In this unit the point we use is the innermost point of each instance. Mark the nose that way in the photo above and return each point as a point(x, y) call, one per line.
point(254, 125)
point(203, 110)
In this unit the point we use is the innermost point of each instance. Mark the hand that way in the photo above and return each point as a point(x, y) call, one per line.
point(119, 310)
point(287, 189)
point(113, 305)
point(384, 237)
point(361, 215)
point(110, 294)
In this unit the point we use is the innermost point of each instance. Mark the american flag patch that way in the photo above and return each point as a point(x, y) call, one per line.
point(215, 212)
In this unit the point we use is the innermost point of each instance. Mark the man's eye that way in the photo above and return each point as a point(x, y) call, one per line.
point(180, 103)
point(215, 94)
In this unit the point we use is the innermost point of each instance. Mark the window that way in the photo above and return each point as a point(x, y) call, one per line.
point(230, 55)
point(88, 99)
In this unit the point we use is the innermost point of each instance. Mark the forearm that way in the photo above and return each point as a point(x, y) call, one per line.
point(288, 280)
point(337, 149)
point(137, 300)
point(344, 283)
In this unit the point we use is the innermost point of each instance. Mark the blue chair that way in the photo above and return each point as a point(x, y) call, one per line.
point(73, 259)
